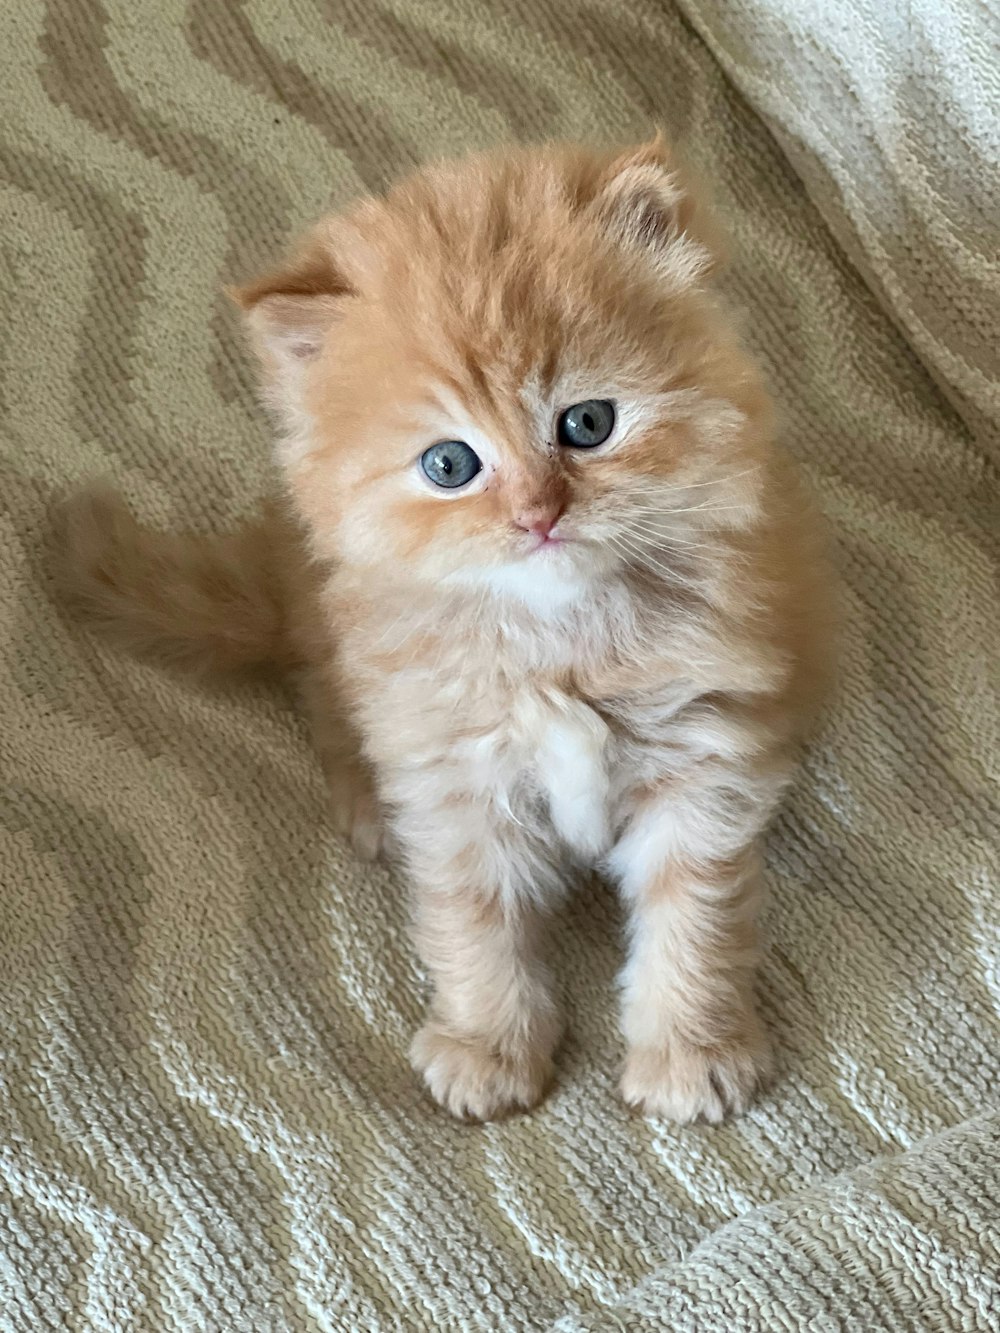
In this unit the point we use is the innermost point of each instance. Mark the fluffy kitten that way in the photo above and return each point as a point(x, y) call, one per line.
point(553, 596)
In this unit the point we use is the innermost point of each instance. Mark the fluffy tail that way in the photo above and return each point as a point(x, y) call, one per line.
point(199, 603)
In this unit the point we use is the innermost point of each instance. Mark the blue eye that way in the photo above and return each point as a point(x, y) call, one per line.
point(586, 425)
point(450, 463)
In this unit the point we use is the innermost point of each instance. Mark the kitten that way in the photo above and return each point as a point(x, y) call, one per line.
point(554, 598)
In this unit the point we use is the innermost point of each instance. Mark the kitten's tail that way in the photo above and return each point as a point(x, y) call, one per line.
point(198, 603)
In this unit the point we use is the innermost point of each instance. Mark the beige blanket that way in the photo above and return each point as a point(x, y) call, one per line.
point(206, 1119)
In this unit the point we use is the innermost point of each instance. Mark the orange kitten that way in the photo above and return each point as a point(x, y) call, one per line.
point(559, 601)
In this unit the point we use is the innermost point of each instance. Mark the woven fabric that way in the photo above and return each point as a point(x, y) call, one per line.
point(890, 112)
point(206, 1117)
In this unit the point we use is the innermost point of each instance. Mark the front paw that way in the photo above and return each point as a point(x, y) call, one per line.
point(473, 1079)
point(358, 817)
point(685, 1082)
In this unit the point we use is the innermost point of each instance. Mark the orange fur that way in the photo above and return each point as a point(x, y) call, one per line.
point(204, 604)
point(631, 698)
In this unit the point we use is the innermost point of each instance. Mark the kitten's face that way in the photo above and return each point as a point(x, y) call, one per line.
point(515, 379)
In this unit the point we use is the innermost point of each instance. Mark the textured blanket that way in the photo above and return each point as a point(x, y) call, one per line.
point(206, 1117)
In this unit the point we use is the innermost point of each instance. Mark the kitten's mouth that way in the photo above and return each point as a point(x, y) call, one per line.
point(548, 542)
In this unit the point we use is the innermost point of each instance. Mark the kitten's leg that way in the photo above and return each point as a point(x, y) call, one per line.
point(354, 803)
point(696, 1047)
point(486, 1048)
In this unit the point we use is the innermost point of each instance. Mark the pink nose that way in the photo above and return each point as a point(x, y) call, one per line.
point(540, 521)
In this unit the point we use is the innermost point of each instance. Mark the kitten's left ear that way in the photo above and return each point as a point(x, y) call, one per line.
point(652, 205)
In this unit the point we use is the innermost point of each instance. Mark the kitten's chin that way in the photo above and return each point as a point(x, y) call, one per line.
point(552, 579)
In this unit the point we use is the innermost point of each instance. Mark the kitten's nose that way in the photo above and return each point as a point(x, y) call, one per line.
point(539, 519)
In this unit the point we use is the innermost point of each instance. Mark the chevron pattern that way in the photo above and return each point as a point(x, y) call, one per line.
point(206, 1119)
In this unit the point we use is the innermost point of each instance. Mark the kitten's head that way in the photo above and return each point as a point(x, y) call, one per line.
point(511, 372)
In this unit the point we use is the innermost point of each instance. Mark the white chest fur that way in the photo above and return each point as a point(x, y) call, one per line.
point(566, 744)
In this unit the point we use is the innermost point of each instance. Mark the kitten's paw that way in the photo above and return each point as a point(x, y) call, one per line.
point(473, 1080)
point(358, 818)
point(684, 1082)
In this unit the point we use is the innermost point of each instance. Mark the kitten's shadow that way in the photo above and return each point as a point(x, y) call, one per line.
point(586, 950)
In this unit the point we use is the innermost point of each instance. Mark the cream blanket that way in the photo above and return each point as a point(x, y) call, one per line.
point(206, 1119)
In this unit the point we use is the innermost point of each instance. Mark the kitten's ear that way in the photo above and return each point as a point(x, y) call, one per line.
point(290, 310)
point(651, 204)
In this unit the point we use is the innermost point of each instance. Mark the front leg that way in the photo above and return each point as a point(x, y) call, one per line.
point(486, 1047)
point(354, 804)
point(697, 1049)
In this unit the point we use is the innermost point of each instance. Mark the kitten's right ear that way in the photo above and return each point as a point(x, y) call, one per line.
point(290, 310)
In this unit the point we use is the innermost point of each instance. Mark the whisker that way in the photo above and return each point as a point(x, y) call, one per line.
point(390, 627)
point(442, 649)
point(639, 540)
point(657, 534)
point(651, 543)
point(402, 642)
point(416, 650)
point(480, 609)
point(658, 571)
point(659, 524)
point(663, 489)
point(667, 509)
point(398, 647)
point(637, 556)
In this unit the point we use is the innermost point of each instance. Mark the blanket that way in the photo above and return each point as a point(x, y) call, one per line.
point(207, 1121)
